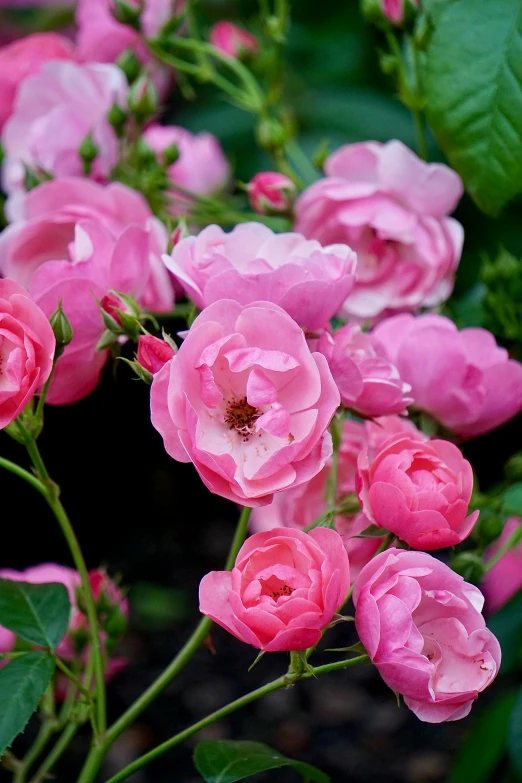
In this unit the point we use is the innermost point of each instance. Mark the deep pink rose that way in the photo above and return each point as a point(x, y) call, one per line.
point(418, 490)
point(463, 379)
point(251, 263)
point(201, 167)
point(27, 346)
point(271, 193)
point(369, 384)
point(283, 591)
point(422, 627)
point(232, 40)
point(300, 506)
point(24, 57)
point(391, 208)
point(74, 240)
point(54, 110)
point(504, 579)
point(153, 353)
point(246, 402)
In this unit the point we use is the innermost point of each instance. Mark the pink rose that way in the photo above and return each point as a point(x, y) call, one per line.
point(504, 579)
point(463, 379)
point(24, 57)
point(201, 167)
point(251, 263)
point(391, 208)
point(153, 353)
point(394, 9)
point(300, 506)
point(369, 384)
point(73, 239)
point(381, 429)
point(232, 40)
point(422, 627)
point(102, 39)
point(246, 402)
point(27, 346)
point(271, 193)
point(418, 490)
point(283, 590)
point(54, 110)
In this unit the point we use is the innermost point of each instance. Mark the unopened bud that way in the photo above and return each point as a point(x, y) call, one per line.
point(271, 134)
point(386, 12)
point(271, 193)
point(143, 98)
point(180, 232)
point(87, 152)
point(232, 40)
point(153, 353)
point(117, 117)
point(129, 64)
point(62, 330)
point(110, 305)
point(469, 565)
point(127, 12)
point(170, 154)
point(146, 155)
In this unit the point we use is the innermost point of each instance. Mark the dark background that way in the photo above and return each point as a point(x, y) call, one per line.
point(152, 521)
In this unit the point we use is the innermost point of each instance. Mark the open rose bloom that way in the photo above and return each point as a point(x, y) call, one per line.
point(246, 402)
point(422, 626)
point(283, 590)
point(392, 209)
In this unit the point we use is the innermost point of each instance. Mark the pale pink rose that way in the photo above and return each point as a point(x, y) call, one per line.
point(283, 591)
point(300, 506)
point(504, 579)
point(246, 402)
point(232, 40)
point(271, 193)
point(418, 490)
point(54, 110)
point(461, 378)
point(422, 627)
point(153, 353)
point(102, 39)
point(24, 57)
point(27, 347)
point(391, 208)
point(74, 240)
point(251, 263)
point(201, 167)
point(369, 384)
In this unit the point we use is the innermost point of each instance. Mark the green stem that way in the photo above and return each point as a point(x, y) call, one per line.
point(511, 542)
point(24, 474)
point(36, 749)
point(72, 677)
point(59, 512)
point(331, 486)
point(275, 685)
point(193, 644)
point(56, 753)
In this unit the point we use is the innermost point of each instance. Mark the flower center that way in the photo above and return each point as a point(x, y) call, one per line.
point(283, 590)
point(241, 416)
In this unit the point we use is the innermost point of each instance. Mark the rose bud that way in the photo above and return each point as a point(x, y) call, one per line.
point(271, 193)
point(232, 40)
point(153, 353)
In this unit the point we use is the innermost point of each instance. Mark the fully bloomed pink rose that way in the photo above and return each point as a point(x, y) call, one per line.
point(24, 57)
point(391, 208)
point(369, 384)
point(504, 579)
point(201, 167)
point(283, 590)
point(246, 402)
point(74, 240)
point(418, 490)
point(27, 346)
point(232, 40)
point(54, 111)
point(422, 627)
point(461, 378)
point(251, 263)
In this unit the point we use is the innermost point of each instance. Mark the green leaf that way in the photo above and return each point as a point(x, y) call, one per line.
point(507, 627)
point(220, 761)
point(485, 744)
point(512, 500)
point(37, 613)
point(473, 87)
point(514, 740)
point(22, 684)
point(372, 531)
